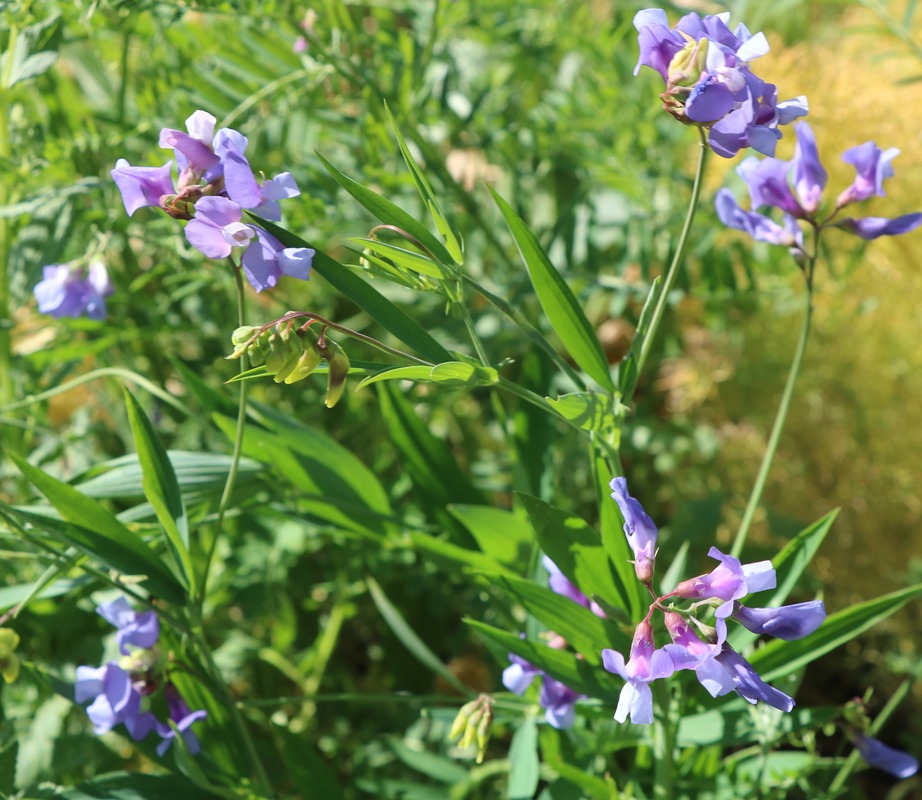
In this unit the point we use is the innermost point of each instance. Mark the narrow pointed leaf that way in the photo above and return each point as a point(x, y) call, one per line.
point(562, 308)
point(627, 373)
point(160, 486)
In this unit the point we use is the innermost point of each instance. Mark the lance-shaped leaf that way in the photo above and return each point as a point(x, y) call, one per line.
point(627, 372)
point(161, 487)
point(562, 309)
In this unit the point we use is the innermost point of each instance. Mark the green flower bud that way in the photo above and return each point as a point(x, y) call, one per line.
point(463, 718)
point(339, 369)
point(9, 661)
point(470, 732)
point(484, 730)
point(307, 362)
point(687, 65)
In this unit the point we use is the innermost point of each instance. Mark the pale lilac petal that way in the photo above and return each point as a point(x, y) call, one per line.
point(754, 48)
point(239, 181)
point(281, 187)
point(872, 166)
point(207, 239)
point(661, 665)
point(789, 110)
point(89, 683)
point(142, 186)
point(116, 612)
point(296, 262)
point(807, 173)
point(201, 125)
point(787, 622)
point(873, 227)
point(889, 759)
point(613, 661)
point(641, 704)
point(625, 701)
point(260, 263)
point(759, 576)
point(517, 678)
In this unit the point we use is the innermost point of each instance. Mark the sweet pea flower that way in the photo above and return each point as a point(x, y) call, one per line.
point(135, 629)
point(796, 187)
point(787, 622)
point(557, 699)
point(194, 151)
point(708, 81)
point(740, 677)
point(562, 585)
point(243, 188)
point(640, 530)
point(67, 291)
point(183, 718)
point(889, 759)
point(142, 186)
point(729, 581)
point(646, 664)
point(115, 699)
point(217, 229)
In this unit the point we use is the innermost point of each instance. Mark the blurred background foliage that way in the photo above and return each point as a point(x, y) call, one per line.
point(537, 99)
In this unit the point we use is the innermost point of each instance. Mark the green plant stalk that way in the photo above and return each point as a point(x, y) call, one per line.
point(238, 444)
point(6, 322)
point(663, 746)
point(673, 271)
point(230, 703)
point(780, 418)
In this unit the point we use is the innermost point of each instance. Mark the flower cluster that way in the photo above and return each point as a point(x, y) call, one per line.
point(557, 699)
point(695, 645)
point(215, 185)
point(709, 83)
point(119, 688)
point(73, 290)
point(796, 188)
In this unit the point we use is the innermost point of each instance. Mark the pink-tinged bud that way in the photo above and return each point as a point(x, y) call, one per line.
point(677, 626)
point(643, 637)
point(643, 569)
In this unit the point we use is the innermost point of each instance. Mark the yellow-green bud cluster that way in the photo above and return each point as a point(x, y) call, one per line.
point(9, 661)
point(289, 354)
point(474, 724)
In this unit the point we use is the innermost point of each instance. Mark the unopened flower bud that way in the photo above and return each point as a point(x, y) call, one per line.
point(339, 369)
point(470, 732)
point(464, 717)
point(307, 362)
point(9, 661)
point(484, 730)
point(687, 65)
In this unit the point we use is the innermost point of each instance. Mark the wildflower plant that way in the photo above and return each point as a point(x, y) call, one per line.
point(635, 660)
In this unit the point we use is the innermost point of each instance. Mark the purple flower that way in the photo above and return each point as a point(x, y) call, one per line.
point(640, 530)
point(115, 698)
point(559, 703)
point(65, 292)
point(645, 665)
point(193, 150)
point(217, 228)
point(142, 186)
point(690, 651)
point(796, 187)
point(138, 629)
point(517, 677)
point(787, 622)
point(708, 81)
point(562, 585)
point(557, 699)
point(183, 718)
point(729, 581)
point(740, 677)
point(877, 754)
point(243, 188)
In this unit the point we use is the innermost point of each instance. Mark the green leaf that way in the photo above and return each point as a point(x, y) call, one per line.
point(564, 666)
point(501, 534)
point(791, 562)
point(778, 658)
point(405, 259)
point(595, 788)
point(161, 487)
point(562, 309)
point(474, 560)
point(369, 299)
point(98, 533)
point(627, 373)
point(390, 214)
point(451, 373)
point(577, 551)
point(435, 766)
point(425, 191)
point(590, 411)
point(524, 765)
point(587, 633)
point(409, 638)
point(135, 786)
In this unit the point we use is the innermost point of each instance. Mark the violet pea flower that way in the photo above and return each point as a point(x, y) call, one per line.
point(562, 585)
point(640, 530)
point(889, 759)
point(142, 186)
point(646, 664)
point(135, 628)
point(115, 699)
point(559, 703)
point(243, 188)
point(518, 676)
point(65, 292)
point(690, 651)
point(728, 581)
point(183, 718)
point(741, 678)
point(193, 150)
point(787, 622)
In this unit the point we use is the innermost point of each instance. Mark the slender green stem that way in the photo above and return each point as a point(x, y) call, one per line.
point(780, 416)
point(664, 745)
point(673, 271)
point(6, 322)
point(230, 704)
point(238, 443)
